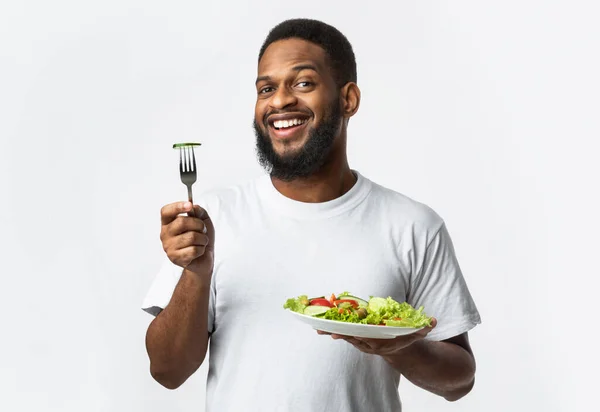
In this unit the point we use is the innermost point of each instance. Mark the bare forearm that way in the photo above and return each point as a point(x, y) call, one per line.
point(443, 368)
point(177, 338)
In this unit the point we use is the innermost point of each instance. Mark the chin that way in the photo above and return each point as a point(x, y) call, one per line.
point(288, 148)
point(293, 141)
point(287, 152)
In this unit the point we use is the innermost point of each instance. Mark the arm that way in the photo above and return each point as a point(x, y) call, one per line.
point(177, 339)
point(445, 368)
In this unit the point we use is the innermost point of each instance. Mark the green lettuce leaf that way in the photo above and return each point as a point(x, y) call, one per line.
point(297, 304)
point(392, 313)
point(345, 316)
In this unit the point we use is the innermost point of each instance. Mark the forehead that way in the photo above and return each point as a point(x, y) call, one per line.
point(283, 55)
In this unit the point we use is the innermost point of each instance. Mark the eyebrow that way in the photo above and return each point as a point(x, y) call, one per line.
point(298, 68)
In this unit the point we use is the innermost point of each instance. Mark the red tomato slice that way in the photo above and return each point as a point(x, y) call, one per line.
point(350, 301)
point(320, 302)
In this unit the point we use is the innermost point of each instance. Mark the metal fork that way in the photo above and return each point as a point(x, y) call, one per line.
point(187, 171)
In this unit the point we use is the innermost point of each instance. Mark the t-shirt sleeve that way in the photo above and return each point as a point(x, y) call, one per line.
point(162, 288)
point(439, 286)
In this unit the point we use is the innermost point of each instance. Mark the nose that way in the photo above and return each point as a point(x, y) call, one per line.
point(282, 98)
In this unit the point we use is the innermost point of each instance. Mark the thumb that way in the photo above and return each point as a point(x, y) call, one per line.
point(425, 331)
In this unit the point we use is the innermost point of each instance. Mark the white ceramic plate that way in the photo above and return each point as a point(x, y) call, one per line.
point(353, 329)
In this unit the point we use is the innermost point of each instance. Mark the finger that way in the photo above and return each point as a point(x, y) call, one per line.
point(354, 341)
point(425, 331)
point(350, 339)
point(183, 224)
point(185, 256)
point(190, 239)
point(210, 232)
point(320, 332)
point(360, 345)
point(201, 214)
point(371, 343)
point(169, 212)
point(208, 224)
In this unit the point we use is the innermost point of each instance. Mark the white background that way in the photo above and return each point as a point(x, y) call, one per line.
point(486, 111)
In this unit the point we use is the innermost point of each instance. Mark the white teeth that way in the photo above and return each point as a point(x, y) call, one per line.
point(280, 124)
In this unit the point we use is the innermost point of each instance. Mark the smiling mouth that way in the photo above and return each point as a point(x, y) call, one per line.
point(288, 124)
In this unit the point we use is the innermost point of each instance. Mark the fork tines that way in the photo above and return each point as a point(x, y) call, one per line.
point(187, 163)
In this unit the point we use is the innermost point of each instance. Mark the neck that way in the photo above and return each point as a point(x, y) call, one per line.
point(333, 180)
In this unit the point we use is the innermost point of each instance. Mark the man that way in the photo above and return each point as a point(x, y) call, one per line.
point(311, 226)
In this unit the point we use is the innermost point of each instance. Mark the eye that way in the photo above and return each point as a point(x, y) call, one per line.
point(304, 84)
point(266, 89)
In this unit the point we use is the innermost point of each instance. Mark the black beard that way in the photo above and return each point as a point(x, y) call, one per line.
point(310, 158)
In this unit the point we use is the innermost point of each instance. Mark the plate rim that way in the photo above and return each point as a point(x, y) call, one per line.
point(376, 327)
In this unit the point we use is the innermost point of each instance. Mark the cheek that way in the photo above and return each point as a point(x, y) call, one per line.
point(318, 107)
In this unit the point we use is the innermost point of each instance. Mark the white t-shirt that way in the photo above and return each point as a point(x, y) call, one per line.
point(371, 241)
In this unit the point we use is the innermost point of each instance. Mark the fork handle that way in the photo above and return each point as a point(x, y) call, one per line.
point(191, 200)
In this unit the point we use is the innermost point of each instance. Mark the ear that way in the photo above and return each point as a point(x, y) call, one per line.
point(350, 95)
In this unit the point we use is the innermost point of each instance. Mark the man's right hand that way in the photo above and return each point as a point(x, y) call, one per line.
point(188, 241)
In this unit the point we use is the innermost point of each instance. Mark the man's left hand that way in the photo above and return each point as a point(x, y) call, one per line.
point(384, 347)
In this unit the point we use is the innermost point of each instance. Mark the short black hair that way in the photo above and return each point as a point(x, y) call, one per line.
point(337, 47)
